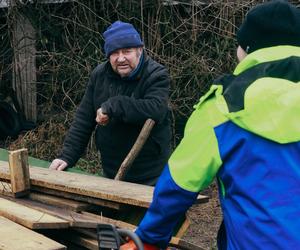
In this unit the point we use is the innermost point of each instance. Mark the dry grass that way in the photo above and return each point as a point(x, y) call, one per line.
point(42, 142)
point(46, 140)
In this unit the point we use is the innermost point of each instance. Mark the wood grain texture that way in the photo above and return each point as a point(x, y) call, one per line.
point(60, 202)
point(19, 172)
point(24, 64)
point(82, 219)
point(17, 237)
point(117, 223)
point(77, 197)
point(29, 217)
point(90, 221)
point(5, 189)
point(92, 186)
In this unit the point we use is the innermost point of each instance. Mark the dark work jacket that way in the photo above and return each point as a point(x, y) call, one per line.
point(128, 103)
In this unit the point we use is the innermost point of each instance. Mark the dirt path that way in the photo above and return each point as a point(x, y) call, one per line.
point(205, 219)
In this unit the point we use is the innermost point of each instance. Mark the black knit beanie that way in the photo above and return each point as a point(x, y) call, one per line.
point(270, 24)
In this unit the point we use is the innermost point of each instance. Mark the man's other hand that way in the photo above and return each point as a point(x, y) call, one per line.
point(101, 118)
point(131, 246)
point(58, 164)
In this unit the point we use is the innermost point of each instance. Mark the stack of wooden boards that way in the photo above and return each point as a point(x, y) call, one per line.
point(46, 209)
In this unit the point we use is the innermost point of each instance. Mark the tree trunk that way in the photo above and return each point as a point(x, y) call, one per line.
point(24, 64)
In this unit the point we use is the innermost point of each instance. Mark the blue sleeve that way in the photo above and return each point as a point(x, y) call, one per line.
point(170, 202)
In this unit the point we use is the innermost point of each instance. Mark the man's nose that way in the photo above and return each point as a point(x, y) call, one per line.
point(121, 58)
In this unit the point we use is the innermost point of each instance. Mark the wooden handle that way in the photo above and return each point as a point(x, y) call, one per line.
point(137, 146)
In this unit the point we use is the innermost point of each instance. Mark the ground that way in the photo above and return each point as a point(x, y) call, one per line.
point(205, 221)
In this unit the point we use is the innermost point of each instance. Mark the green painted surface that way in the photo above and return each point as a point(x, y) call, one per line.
point(38, 163)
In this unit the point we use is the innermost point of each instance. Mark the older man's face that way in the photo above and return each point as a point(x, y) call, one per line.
point(124, 61)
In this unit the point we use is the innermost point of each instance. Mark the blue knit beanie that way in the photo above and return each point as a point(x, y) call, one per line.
point(121, 35)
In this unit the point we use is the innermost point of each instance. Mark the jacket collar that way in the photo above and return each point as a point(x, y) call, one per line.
point(266, 55)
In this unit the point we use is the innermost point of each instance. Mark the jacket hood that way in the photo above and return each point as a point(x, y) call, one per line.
point(263, 94)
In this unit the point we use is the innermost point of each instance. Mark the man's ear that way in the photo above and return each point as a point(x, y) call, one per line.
point(140, 49)
point(241, 53)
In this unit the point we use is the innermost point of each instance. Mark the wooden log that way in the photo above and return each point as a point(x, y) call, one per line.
point(92, 186)
point(17, 237)
point(19, 172)
point(29, 217)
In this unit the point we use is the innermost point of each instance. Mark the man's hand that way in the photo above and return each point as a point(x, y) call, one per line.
point(101, 118)
point(58, 164)
point(131, 246)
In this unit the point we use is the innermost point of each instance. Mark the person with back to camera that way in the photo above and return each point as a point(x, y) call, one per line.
point(245, 132)
point(121, 95)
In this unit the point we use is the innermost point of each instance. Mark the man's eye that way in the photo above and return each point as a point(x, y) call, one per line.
point(127, 51)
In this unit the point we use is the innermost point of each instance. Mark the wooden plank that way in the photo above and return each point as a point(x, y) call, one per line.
point(90, 220)
point(5, 189)
point(74, 219)
point(29, 217)
point(77, 197)
point(183, 228)
point(92, 186)
point(60, 202)
point(17, 237)
point(83, 219)
point(19, 172)
point(117, 223)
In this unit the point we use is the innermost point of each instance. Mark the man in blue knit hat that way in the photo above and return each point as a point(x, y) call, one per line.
point(122, 93)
